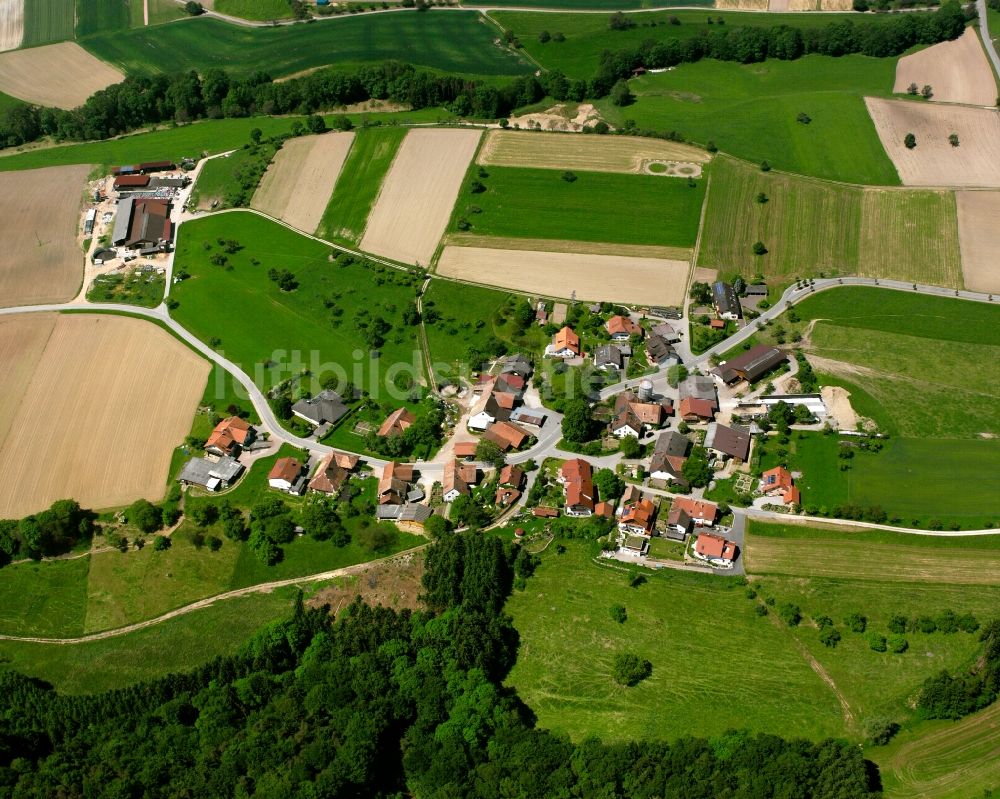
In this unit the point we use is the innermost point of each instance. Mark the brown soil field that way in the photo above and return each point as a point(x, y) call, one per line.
point(742, 5)
point(297, 185)
point(934, 162)
point(11, 24)
point(42, 260)
point(71, 74)
point(390, 583)
point(96, 413)
point(957, 71)
point(414, 205)
point(589, 154)
point(979, 239)
point(562, 245)
point(614, 278)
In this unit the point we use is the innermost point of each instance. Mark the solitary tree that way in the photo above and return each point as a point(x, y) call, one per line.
point(910, 141)
point(630, 669)
point(569, 177)
point(803, 118)
point(927, 92)
point(953, 140)
point(761, 198)
point(759, 248)
point(193, 8)
point(543, 36)
point(577, 423)
point(912, 89)
point(765, 166)
point(489, 452)
point(621, 94)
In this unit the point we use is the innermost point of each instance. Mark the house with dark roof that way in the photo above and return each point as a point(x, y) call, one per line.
point(660, 352)
point(728, 442)
point(626, 423)
point(326, 408)
point(512, 476)
point(726, 301)
point(532, 417)
point(334, 470)
point(666, 331)
point(452, 484)
point(516, 364)
point(751, 365)
point(608, 356)
point(577, 478)
point(669, 454)
point(212, 475)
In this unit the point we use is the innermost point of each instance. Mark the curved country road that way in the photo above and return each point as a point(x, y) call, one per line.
point(260, 588)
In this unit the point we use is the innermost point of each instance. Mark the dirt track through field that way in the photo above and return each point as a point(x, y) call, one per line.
point(98, 416)
point(71, 75)
point(934, 162)
point(642, 281)
point(40, 208)
point(297, 185)
point(11, 24)
point(585, 153)
point(957, 71)
point(979, 238)
point(413, 208)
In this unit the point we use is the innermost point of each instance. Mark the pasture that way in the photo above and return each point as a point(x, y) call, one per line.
point(254, 9)
point(72, 75)
point(44, 599)
point(43, 262)
point(123, 372)
point(301, 178)
point(316, 325)
point(957, 70)
point(418, 194)
point(812, 227)
point(975, 162)
point(584, 276)
point(451, 42)
point(360, 180)
point(587, 153)
point(47, 21)
point(464, 316)
point(979, 238)
point(672, 619)
point(595, 207)
point(752, 111)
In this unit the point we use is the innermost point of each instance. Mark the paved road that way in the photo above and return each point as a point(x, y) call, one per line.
point(984, 27)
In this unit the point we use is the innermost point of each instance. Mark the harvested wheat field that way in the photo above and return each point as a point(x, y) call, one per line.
point(612, 278)
point(298, 183)
point(42, 261)
point(957, 71)
point(71, 75)
point(589, 154)
point(96, 412)
point(11, 24)
point(742, 5)
point(413, 208)
point(979, 238)
point(934, 162)
point(564, 245)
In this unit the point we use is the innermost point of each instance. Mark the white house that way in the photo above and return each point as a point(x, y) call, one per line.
point(286, 475)
point(626, 423)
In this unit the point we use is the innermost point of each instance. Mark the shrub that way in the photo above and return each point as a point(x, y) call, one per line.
point(160, 543)
point(876, 642)
point(898, 644)
point(856, 623)
point(630, 669)
point(926, 625)
point(829, 636)
point(618, 613)
point(897, 624)
point(761, 610)
point(569, 177)
point(880, 730)
point(823, 621)
point(790, 614)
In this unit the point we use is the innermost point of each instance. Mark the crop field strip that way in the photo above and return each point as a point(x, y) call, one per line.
point(72, 75)
point(566, 245)
point(979, 239)
point(810, 226)
point(452, 42)
point(104, 16)
point(47, 21)
point(264, 10)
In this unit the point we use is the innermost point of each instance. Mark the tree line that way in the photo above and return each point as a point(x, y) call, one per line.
point(378, 703)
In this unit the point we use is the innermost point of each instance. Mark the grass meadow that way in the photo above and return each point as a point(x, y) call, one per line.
point(103, 16)
point(814, 227)
point(44, 598)
point(219, 173)
point(255, 9)
point(453, 42)
point(47, 21)
point(716, 664)
point(359, 183)
point(159, 11)
point(317, 320)
point(596, 207)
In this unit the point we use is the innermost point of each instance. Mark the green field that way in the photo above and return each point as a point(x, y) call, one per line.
point(255, 9)
point(453, 42)
point(359, 183)
point(716, 664)
point(314, 326)
point(161, 11)
point(750, 111)
point(580, 4)
point(47, 21)
point(103, 16)
point(217, 179)
point(597, 206)
point(813, 228)
point(44, 599)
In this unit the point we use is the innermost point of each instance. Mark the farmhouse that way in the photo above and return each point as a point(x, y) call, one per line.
point(726, 301)
point(622, 328)
point(325, 408)
point(287, 475)
point(506, 495)
point(608, 357)
point(211, 475)
point(465, 449)
point(517, 364)
point(510, 383)
point(410, 516)
point(700, 512)
point(230, 436)
point(452, 484)
point(666, 332)
point(333, 472)
point(142, 223)
point(145, 168)
point(577, 478)
point(660, 352)
point(396, 423)
point(752, 365)
point(626, 423)
point(637, 517)
point(696, 410)
point(650, 413)
point(394, 483)
point(565, 344)
point(715, 549)
point(669, 455)
point(727, 442)
point(506, 435)
point(777, 482)
point(512, 476)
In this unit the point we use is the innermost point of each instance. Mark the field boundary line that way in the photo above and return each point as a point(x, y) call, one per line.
point(696, 252)
point(211, 600)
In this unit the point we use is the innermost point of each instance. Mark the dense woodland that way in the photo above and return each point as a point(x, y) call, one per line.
point(184, 97)
point(378, 704)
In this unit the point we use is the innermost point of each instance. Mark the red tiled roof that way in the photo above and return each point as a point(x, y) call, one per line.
point(605, 509)
point(510, 433)
point(639, 514)
point(715, 546)
point(696, 508)
point(286, 469)
point(511, 475)
point(579, 478)
point(228, 433)
point(396, 422)
point(544, 513)
point(778, 477)
point(622, 324)
point(504, 399)
point(465, 449)
point(691, 406)
point(567, 339)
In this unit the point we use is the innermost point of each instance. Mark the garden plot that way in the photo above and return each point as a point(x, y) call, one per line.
point(71, 75)
point(957, 71)
point(11, 24)
point(614, 278)
point(96, 410)
point(590, 154)
point(42, 260)
point(979, 238)
point(297, 185)
point(934, 161)
point(415, 203)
